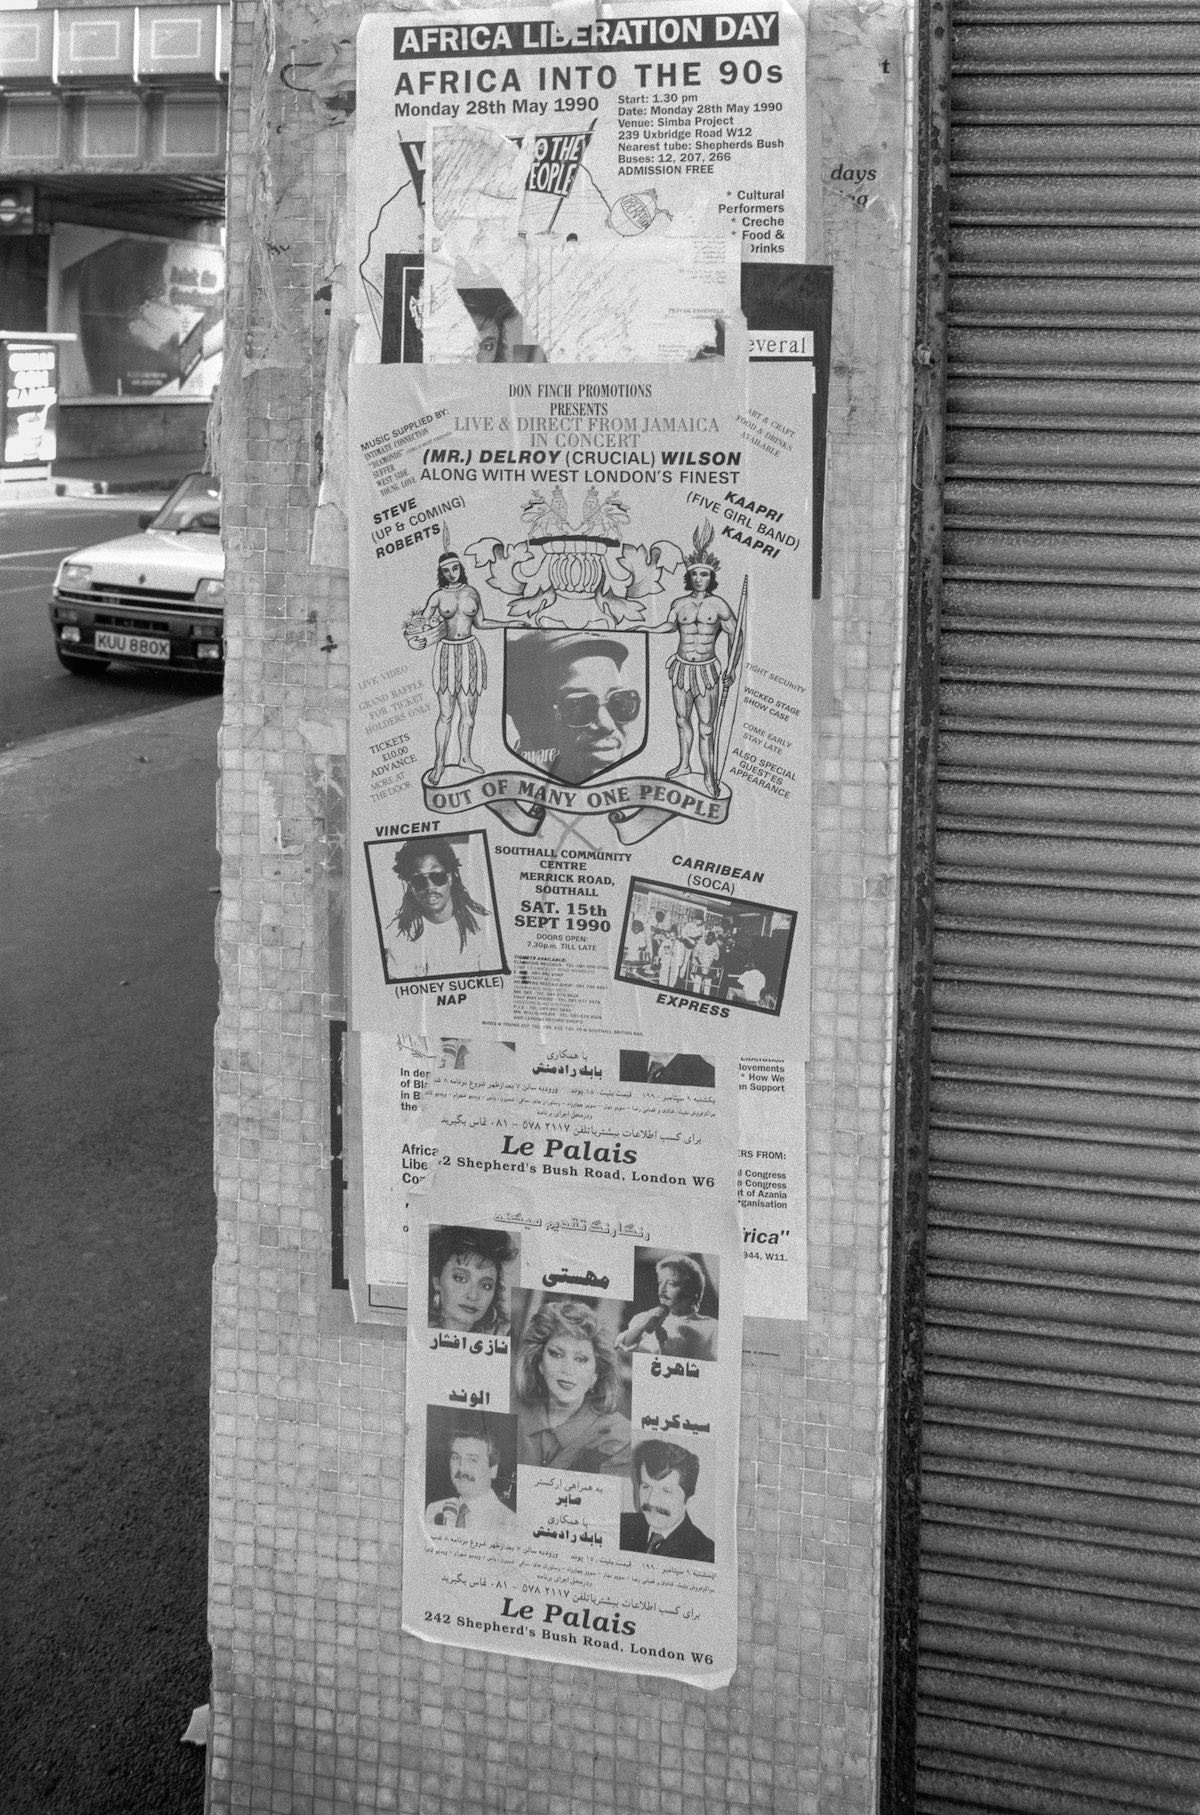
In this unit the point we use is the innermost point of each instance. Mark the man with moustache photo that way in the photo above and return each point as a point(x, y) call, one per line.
point(664, 1480)
point(474, 1506)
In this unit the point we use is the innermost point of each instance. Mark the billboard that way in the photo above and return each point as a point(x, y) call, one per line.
point(147, 313)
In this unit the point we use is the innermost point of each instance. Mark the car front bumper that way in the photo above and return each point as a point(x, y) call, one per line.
point(154, 634)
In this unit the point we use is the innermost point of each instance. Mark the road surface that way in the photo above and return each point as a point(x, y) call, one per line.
point(107, 899)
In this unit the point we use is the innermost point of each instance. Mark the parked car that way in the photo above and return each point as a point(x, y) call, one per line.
point(155, 598)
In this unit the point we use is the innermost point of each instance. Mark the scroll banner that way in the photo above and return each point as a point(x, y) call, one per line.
point(636, 806)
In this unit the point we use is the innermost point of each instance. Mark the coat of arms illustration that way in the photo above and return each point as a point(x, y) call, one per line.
point(577, 604)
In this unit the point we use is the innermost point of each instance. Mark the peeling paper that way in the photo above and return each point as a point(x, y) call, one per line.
point(595, 301)
point(197, 1727)
point(571, 15)
point(324, 737)
point(329, 546)
point(474, 184)
point(399, 1144)
point(271, 343)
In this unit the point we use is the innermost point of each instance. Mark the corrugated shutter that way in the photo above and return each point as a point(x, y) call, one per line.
point(1058, 1658)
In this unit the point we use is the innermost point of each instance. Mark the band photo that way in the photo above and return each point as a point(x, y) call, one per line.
point(673, 1494)
point(471, 1272)
point(575, 701)
point(570, 1385)
point(724, 951)
point(470, 1470)
point(435, 907)
point(676, 1305)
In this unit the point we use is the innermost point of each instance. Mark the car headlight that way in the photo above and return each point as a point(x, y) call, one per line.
point(210, 592)
point(74, 573)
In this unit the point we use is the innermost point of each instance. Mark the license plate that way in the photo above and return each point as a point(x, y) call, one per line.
point(119, 642)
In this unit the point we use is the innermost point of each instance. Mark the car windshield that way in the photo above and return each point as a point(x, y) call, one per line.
point(195, 504)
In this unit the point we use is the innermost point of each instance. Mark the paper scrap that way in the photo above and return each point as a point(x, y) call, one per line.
point(197, 1727)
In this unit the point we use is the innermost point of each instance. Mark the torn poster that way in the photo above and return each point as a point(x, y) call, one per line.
point(646, 125)
point(651, 1102)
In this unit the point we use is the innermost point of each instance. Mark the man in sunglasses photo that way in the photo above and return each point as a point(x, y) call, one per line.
point(440, 929)
point(576, 701)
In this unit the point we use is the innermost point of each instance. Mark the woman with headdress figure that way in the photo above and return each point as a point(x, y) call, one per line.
point(440, 929)
point(449, 619)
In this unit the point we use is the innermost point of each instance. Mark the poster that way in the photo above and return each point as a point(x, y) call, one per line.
point(572, 1394)
point(580, 707)
point(579, 745)
point(647, 125)
point(28, 401)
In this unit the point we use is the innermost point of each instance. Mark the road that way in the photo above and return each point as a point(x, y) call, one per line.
point(37, 695)
point(107, 898)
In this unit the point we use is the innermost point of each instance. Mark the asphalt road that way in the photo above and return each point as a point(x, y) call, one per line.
point(37, 695)
point(107, 900)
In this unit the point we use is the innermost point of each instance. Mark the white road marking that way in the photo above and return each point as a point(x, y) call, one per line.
point(17, 554)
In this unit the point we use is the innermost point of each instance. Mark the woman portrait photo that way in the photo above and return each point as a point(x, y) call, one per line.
point(677, 1323)
point(499, 329)
point(467, 1278)
point(442, 927)
point(568, 1392)
point(576, 700)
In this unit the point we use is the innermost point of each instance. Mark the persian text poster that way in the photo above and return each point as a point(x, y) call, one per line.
point(573, 1378)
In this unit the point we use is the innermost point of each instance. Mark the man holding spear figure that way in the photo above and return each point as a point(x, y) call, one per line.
point(699, 682)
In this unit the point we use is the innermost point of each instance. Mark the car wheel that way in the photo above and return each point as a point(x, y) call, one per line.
point(81, 664)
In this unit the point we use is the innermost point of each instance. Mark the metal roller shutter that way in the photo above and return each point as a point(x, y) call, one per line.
point(1057, 1654)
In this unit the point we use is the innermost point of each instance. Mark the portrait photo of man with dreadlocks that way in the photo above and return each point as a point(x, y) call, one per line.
point(445, 923)
point(449, 618)
point(700, 681)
